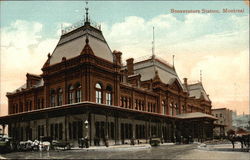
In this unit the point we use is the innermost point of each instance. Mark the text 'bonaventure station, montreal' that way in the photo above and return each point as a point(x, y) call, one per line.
point(86, 91)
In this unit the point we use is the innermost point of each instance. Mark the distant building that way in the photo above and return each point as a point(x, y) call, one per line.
point(224, 122)
point(241, 121)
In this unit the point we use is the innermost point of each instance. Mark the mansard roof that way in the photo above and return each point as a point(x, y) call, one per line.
point(24, 86)
point(72, 43)
point(196, 90)
point(148, 68)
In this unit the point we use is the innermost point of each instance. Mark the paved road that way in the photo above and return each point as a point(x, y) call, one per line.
point(162, 152)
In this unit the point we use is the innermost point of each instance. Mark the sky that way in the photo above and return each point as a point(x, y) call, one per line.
point(216, 43)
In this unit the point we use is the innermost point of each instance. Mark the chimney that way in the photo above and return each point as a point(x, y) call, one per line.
point(130, 66)
point(118, 56)
point(185, 82)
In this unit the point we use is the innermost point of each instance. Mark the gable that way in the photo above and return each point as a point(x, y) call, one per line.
point(175, 85)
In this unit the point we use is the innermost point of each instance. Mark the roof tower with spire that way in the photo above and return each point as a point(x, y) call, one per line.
point(71, 43)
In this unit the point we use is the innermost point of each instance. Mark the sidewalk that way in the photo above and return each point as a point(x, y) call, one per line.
point(223, 147)
point(114, 147)
point(119, 147)
point(2, 157)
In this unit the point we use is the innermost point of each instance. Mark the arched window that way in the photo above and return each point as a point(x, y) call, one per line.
point(139, 104)
point(163, 107)
point(109, 95)
point(125, 102)
point(52, 98)
point(78, 93)
point(21, 107)
point(183, 109)
point(59, 96)
point(128, 102)
point(177, 109)
point(30, 105)
point(136, 104)
point(16, 108)
point(171, 109)
point(70, 94)
point(98, 93)
point(121, 101)
point(37, 104)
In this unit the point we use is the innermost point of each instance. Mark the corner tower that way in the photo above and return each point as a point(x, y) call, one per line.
point(72, 42)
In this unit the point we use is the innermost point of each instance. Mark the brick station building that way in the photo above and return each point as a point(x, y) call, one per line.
point(85, 90)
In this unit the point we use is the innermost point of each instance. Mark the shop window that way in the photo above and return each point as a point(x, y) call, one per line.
point(52, 131)
point(40, 131)
point(112, 130)
point(79, 128)
point(60, 131)
point(56, 131)
point(74, 130)
point(97, 129)
point(70, 130)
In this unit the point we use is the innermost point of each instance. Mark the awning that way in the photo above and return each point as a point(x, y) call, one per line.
point(196, 115)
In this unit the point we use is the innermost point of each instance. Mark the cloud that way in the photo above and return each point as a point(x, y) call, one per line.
point(219, 47)
point(62, 26)
point(223, 74)
point(22, 50)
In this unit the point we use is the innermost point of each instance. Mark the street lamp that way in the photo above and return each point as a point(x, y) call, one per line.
point(86, 126)
point(87, 134)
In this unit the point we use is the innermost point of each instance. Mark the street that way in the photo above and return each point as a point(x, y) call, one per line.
point(190, 151)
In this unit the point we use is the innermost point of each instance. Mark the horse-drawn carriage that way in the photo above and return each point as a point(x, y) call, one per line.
point(241, 136)
point(6, 144)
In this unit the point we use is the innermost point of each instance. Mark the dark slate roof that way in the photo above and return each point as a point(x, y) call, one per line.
point(71, 44)
point(24, 86)
point(196, 90)
point(147, 69)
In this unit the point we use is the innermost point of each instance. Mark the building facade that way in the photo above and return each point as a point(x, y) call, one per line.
point(86, 91)
point(224, 122)
point(241, 121)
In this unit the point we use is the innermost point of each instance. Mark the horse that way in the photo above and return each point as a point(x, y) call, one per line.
point(243, 139)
